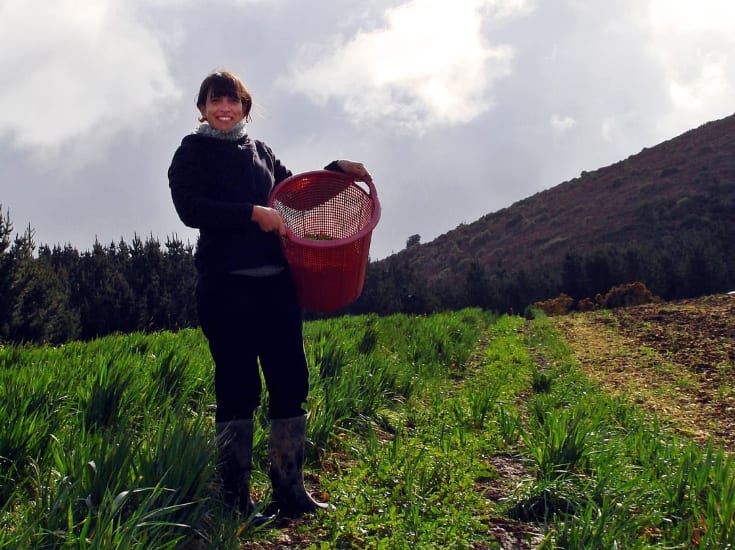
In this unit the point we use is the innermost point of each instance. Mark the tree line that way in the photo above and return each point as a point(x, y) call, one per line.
point(57, 294)
point(694, 262)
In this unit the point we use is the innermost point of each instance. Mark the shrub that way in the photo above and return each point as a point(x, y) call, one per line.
point(587, 304)
point(556, 306)
point(629, 294)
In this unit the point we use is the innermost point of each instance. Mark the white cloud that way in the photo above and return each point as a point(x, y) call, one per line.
point(430, 64)
point(688, 16)
point(695, 41)
point(77, 67)
point(611, 130)
point(713, 82)
point(561, 123)
point(578, 85)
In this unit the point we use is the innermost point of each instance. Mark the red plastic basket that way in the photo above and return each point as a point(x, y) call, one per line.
point(329, 223)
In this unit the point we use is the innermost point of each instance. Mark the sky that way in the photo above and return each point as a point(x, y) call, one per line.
point(458, 109)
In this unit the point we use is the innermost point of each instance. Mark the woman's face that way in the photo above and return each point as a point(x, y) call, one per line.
point(222, 112)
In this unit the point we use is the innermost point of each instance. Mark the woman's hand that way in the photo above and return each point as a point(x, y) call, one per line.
point(355, 169)
point(269, 220)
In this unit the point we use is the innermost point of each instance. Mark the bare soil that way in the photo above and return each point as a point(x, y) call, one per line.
point(674, 359)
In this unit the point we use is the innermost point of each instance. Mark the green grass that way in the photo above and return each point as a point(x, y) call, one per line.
point(608, 478)
point(110, 444)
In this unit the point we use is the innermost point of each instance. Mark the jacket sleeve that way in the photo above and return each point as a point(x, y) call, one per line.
point(334, 166)
point(186, 179)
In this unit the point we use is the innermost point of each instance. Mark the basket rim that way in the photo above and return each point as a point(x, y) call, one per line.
point(312, 243)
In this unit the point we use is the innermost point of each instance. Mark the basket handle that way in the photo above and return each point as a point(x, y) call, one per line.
point(376, 210)
point(369, 184)
point(371, 191)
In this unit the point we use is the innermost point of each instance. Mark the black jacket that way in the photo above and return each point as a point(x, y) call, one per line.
point(214, 185)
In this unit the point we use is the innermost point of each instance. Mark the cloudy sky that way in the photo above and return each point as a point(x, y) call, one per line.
point(458, 108)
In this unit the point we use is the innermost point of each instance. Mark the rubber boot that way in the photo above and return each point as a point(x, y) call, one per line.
point(286, 454)
point(235, 442)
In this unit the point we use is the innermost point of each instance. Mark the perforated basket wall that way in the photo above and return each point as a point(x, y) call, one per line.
point(329, 220)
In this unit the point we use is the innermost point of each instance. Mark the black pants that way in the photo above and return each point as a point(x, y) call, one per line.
point(248, 320)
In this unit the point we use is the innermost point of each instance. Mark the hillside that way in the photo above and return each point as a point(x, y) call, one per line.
point(685, 184)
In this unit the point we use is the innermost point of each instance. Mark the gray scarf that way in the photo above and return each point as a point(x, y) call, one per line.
point(238, 131)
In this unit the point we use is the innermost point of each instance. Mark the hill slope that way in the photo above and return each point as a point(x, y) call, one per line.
point(684, 184)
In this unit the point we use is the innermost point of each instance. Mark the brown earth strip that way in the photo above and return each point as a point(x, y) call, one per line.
point(676, 359)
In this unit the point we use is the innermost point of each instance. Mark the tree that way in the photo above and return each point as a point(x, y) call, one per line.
point(104, 297)
point(154, 293)
point(413, 240)
point(600, 270)
point(476, 286)
point(40, 311)
point(6, 274)
point(573, 278)
point(179, 277)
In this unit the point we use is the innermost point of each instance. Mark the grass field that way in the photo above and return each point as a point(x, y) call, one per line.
point(457, 430)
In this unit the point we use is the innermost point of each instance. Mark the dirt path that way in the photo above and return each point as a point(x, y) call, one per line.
point(674, 358)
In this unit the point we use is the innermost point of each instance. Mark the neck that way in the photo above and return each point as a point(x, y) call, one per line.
point(236, 132)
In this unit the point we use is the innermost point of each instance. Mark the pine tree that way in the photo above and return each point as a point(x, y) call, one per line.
point(179, 280)
point(105, 299)
point(573, 277)
point(6, 274)
point(40, 311)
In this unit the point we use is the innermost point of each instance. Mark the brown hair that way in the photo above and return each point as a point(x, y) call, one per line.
point(225, 83)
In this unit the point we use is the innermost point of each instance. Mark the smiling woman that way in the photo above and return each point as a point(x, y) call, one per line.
point(224, 101)
point(247, 303)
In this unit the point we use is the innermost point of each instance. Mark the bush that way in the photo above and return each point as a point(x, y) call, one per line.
point(625, 295)
point(587, 304)
point(629, 294)
point(555, 306)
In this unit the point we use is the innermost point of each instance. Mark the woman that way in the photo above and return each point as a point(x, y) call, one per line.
point(220, 181)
